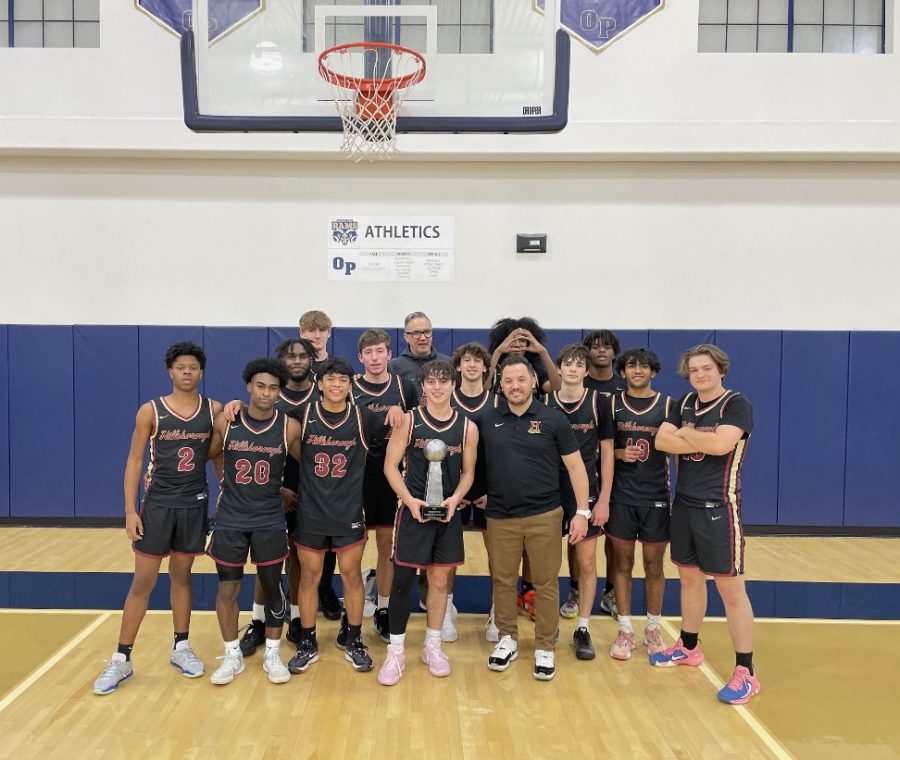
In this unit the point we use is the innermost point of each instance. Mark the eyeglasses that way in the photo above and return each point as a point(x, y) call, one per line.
point(419, 333)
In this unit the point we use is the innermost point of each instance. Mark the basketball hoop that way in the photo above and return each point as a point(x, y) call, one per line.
point(369, 82)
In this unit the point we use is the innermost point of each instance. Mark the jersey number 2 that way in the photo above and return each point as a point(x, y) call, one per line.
point(185, 459)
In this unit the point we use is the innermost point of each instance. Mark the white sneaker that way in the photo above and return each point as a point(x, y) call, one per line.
point(544, 664)
point(492, 633)
point(232, 665)
point(187, 662)
point(113, 674)
point(369, 592)
point(272, 664)
point(448, 629)
point(504, 653)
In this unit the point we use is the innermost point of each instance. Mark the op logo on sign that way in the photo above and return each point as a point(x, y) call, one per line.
point(224, 15)
point(597, 23)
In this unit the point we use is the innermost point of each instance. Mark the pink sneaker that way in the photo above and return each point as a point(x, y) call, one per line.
point(623, 645)
point(392, 667)
point(653, 640)
point(740, 688)
point(677, 655)
point(435, 659)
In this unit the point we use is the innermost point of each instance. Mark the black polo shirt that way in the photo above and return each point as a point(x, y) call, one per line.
point(523, 458)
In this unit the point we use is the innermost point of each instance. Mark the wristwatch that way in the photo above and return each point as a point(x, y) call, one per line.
point(585, 513)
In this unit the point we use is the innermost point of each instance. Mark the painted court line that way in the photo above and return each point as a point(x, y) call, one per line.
point(775, 747)
point(63, 651)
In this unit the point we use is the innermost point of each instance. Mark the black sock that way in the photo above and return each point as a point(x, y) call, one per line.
point(354, 632)
point(689, 640)
point(527, 586)
point(745, 659)
point(608, 586)
point(308, 633)
point(573, 583)
point(180, 637)
point(126, 650)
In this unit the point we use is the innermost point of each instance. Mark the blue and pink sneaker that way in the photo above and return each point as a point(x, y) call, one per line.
point(677, 655)
point(740, 688)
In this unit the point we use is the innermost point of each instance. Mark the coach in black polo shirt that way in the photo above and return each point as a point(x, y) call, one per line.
point(524, 442)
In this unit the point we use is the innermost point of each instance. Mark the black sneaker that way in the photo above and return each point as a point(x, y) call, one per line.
point(330, 604)
point(341, 641)
point(382, 625)
point(584, 649)
point(307, 654)
point(254, 636)
point(293, 632)
point(357, 655)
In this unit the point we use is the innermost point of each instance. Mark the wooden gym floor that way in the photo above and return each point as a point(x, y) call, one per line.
point(826, 684)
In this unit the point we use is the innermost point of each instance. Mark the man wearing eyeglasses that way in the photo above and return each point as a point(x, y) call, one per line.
point(418, 333)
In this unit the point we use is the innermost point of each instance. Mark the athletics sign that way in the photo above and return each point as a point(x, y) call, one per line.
point(390, 249)
point(597, 23)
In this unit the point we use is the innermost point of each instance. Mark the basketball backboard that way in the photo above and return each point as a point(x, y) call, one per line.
point(492, 65)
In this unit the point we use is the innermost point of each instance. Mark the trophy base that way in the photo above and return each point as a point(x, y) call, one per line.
point(434, 513)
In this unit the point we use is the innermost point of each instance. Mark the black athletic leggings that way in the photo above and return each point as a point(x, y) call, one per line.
point(270, 581)
point(398, 608)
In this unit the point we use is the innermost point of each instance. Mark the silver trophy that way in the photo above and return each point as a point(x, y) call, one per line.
point(435, 453)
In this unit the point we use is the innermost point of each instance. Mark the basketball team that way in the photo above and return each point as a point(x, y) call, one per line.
point(537, 449)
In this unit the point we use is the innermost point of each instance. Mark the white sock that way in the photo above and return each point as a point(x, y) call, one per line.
point(233, 648)
point(449, 601)
point(432, 633)
point(295, 611)
point(625, 622)
point(273, 644)
point(398, 639)
point(182, 645)
point(654, 620)
point(259, 612)
point(383, 601)
point(583, 623)
point(118, 657)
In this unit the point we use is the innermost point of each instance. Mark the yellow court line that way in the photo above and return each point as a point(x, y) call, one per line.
point(62, 652)
point(777, 749)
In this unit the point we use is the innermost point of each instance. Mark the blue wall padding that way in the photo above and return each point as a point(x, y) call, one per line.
point(4, 422)
point(630, 339)
point(41, 420)
point(873, 430)
point(463, 335)
point(278, 334)
point(441, 340)
point(106, 401)
point(153, 340)
point(559, 339)
point(345, 343)
point(669, 345)
point(756, 372)
point(228, 349)
point(813, 428)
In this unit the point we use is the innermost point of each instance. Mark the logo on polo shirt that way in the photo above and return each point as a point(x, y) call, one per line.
point(534, 427)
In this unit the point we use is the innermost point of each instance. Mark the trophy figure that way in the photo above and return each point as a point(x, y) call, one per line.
point(435, 452)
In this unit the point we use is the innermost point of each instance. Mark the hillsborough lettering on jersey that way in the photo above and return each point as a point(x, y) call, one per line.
point(253, 448)
point(182, 435)
point(327, 440)
point(633, 427)
point(583, 427)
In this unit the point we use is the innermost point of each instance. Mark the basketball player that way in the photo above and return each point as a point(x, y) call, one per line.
point(336, 437)
point(524, 441)
point(522, 337)
point(591, 424)
point(418, 332)
point(378, 390)
point(315, 326)
point(296, 353)
point(639, 509)
point(172, 519)
point(250, 515)
point(435, 545)
point(471, 398)
point(709, 429)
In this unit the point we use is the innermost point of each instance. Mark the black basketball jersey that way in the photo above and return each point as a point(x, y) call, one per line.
point(644, 483)
point(293, 404)
point(253, 468)
point(590, 422)
point(708, 478)
point(474, 407)
point(332, 463)
point(615, 384)
point(423, 429)
point(176, 473)
point(378, 398)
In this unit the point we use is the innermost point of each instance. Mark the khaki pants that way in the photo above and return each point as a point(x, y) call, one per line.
point(539, 536)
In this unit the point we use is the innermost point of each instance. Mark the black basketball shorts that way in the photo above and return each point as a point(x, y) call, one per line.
point(709, 538)
point(230, 547)
point(647, 524)
point(428, 544)
point(172, 530)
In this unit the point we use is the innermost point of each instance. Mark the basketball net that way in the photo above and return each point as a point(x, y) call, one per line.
point(368, 105)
